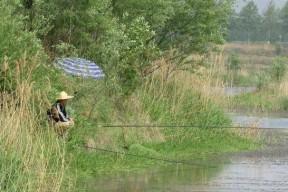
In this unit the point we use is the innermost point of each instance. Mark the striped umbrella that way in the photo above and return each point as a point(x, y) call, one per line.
point(80, 67)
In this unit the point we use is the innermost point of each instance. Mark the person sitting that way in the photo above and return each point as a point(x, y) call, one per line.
point(57, 115)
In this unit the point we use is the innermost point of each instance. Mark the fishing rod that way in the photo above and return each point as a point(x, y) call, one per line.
point(151, 158)
point(190, 126)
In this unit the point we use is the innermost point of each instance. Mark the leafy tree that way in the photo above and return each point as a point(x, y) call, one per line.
point(234, 27)
point(250, 20)
point(155, 12)
point(16, 43)
point(284, 21)
point(15, 40)
point(195, 27)
point(271, 22)
point(190, 26)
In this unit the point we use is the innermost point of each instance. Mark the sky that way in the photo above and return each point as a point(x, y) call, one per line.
point(261, 4)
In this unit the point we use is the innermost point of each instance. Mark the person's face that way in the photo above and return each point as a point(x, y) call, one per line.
point(64, 102)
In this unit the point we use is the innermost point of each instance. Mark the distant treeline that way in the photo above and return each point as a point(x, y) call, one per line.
point(249, 25)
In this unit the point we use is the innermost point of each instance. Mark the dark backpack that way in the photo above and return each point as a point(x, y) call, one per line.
point(53, 114)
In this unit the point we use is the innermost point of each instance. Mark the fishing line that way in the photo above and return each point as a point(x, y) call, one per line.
point(152, 158)
point(190, 126)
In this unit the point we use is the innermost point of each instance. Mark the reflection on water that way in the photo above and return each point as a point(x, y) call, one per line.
point(175, 177)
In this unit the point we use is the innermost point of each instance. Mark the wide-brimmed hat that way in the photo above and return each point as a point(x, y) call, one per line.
point(63, 95)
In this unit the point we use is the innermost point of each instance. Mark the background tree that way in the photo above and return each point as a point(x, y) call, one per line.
point(234, 27)
point(250, 21)
point(183, 27)
point(284, 22)
point(271, 23)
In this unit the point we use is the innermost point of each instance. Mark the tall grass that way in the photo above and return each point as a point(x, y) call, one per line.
point(32, 158)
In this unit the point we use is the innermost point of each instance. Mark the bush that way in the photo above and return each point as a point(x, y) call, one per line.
point(234, 62)
point(278, 68)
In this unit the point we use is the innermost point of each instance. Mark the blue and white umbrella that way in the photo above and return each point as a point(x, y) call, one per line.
point(80, 67)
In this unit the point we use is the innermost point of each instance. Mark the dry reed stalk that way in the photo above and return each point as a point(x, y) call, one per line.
point(21, 140)
point(5, 65)
point(252, 131)
point(248, 47)
point(282, 87)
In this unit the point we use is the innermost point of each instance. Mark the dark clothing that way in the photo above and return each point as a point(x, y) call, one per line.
point(63, 116)
point(58, 113)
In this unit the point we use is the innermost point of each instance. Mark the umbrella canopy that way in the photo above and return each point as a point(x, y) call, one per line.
point(80, 67)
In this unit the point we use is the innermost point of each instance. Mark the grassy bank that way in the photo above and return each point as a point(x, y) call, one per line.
point(160, 101)
point(31, 149)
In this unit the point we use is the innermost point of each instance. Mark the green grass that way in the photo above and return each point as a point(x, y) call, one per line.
point(61, 162)
point(160, 104)
point(201, 144)
point(262, 100)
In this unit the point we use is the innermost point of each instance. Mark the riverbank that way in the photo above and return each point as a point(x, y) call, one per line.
point(196, 129)
point(218, 172)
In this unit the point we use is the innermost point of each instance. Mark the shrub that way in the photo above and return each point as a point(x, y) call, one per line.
point(278, 68)
point(234, 62)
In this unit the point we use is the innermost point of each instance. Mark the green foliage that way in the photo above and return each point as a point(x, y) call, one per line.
point(278, 49)
point(250, 18)
point(155, 12)
point(270, 22)
point(284, 103)
point(262, 80)
point(278, 69)
point(15, 41)
point(66, 50)
point(234, 62)
point(192, 27)
point(257, 100)
point(28, 3)
point(190, 109)
point(284, 20)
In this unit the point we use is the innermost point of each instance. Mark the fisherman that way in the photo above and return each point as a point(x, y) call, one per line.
point(58, 117)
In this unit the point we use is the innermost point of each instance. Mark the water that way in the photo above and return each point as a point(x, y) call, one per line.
point(170, 178)
point(262, 120)
point(232, 91)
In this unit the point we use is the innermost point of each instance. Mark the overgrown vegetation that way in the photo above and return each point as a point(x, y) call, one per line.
point(143, 56)
point(268, 74)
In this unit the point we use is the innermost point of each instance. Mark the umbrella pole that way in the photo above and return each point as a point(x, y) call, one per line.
point(92, 109)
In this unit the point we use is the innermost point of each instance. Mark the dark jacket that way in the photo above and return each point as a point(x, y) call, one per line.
point(58, 113)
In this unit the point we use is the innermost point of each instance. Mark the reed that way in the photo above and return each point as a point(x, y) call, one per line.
point(32, 158)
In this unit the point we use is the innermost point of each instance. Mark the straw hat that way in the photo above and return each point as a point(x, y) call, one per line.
point(63, 95)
